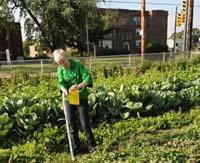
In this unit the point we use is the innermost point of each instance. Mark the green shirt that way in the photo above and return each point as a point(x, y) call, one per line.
point(75, 74)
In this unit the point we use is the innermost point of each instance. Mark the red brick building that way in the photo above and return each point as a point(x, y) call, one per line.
point(11, 38)
point(125, 38)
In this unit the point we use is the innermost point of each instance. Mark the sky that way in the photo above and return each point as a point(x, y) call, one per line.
point(135, 5)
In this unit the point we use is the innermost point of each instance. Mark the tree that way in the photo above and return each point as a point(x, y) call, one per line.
point(57, 23)
point(179, 35)
point(26, 45)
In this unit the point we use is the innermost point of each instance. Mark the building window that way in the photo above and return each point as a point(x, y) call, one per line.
point(109, 35)
point(136, 21)
point(131, 35)
point(137, 31)
point(113, 44)
point(126, 46)
point(123, 35)
point(100, 43)
point(114, 32)
point(138, 43)
point(128, 35)
point(107, 44)
point(117, 45)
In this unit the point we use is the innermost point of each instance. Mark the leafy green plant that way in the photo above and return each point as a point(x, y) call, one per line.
point(28, 152)
point(27, 121)
point(4, 155)
point(156, 48)
point(6, 125)
point(52, 138)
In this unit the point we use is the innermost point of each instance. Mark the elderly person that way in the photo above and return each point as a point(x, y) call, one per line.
point(72, 76)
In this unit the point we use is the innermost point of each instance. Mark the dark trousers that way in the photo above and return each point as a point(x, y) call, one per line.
point(85, 123)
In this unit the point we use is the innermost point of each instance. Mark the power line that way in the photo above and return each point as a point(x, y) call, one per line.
point(150, 3)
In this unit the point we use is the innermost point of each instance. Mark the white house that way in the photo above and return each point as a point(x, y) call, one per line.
point(178, 46)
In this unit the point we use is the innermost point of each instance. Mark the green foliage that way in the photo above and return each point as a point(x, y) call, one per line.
point(51, 22)
point(28, 119)
point(28, 115)
point(110, 70)
point(26, 45)
point(28, 152)
point(179, 35)
point(156, 48)
point(172, 136)
point(4, 155)
point(114, 70)
point(196, 60)
point(73, 53)
point(6, 15)
point(12, 104)
point(52, 138)
point(145, 66)
point(143, 117)
point(6, 125)
point(144, 100)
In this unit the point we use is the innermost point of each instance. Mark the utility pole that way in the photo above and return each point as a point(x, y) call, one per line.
point(143, 29)
point(175, 29)
point(190, 25)
point(185, 35)
point(86, 27)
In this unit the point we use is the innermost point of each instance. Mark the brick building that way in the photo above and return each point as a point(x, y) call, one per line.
point(125, 38)
point(11, 38)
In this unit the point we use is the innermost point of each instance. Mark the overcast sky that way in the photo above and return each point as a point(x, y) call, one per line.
point(135, 5)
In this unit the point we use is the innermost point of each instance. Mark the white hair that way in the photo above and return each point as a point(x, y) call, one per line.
point(59, 55)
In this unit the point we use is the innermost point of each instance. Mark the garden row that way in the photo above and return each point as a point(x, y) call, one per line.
point(144, 109)
point(171, 137)
point(21, 115)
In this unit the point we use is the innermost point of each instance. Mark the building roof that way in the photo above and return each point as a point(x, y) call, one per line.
point(133, 11)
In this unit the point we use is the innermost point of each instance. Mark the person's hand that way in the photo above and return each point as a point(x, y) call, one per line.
point(65, 92)
point(74, 87)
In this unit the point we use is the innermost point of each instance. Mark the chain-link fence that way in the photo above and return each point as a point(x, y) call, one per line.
point(45, 66)
point(27, 66)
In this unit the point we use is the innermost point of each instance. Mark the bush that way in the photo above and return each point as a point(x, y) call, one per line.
point(4, 155)
point(156, 48)
point(145, 66)
point(196, 60)
point(52, 138)
point(110, 70)
point(30, 151)
point(73, 53)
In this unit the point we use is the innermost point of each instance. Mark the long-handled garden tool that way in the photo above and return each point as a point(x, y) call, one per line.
point(67, 126)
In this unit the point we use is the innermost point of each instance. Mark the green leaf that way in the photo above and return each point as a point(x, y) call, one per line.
point(6, 124)
point(149, 107)
point(125, 115)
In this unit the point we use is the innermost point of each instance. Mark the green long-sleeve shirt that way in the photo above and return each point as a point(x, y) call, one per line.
point(75, 74)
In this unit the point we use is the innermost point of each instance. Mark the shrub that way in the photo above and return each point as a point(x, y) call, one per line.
point(73, 53)
point(156, 48)
point(196, 60)
point(145, 66)
point(52, 138)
